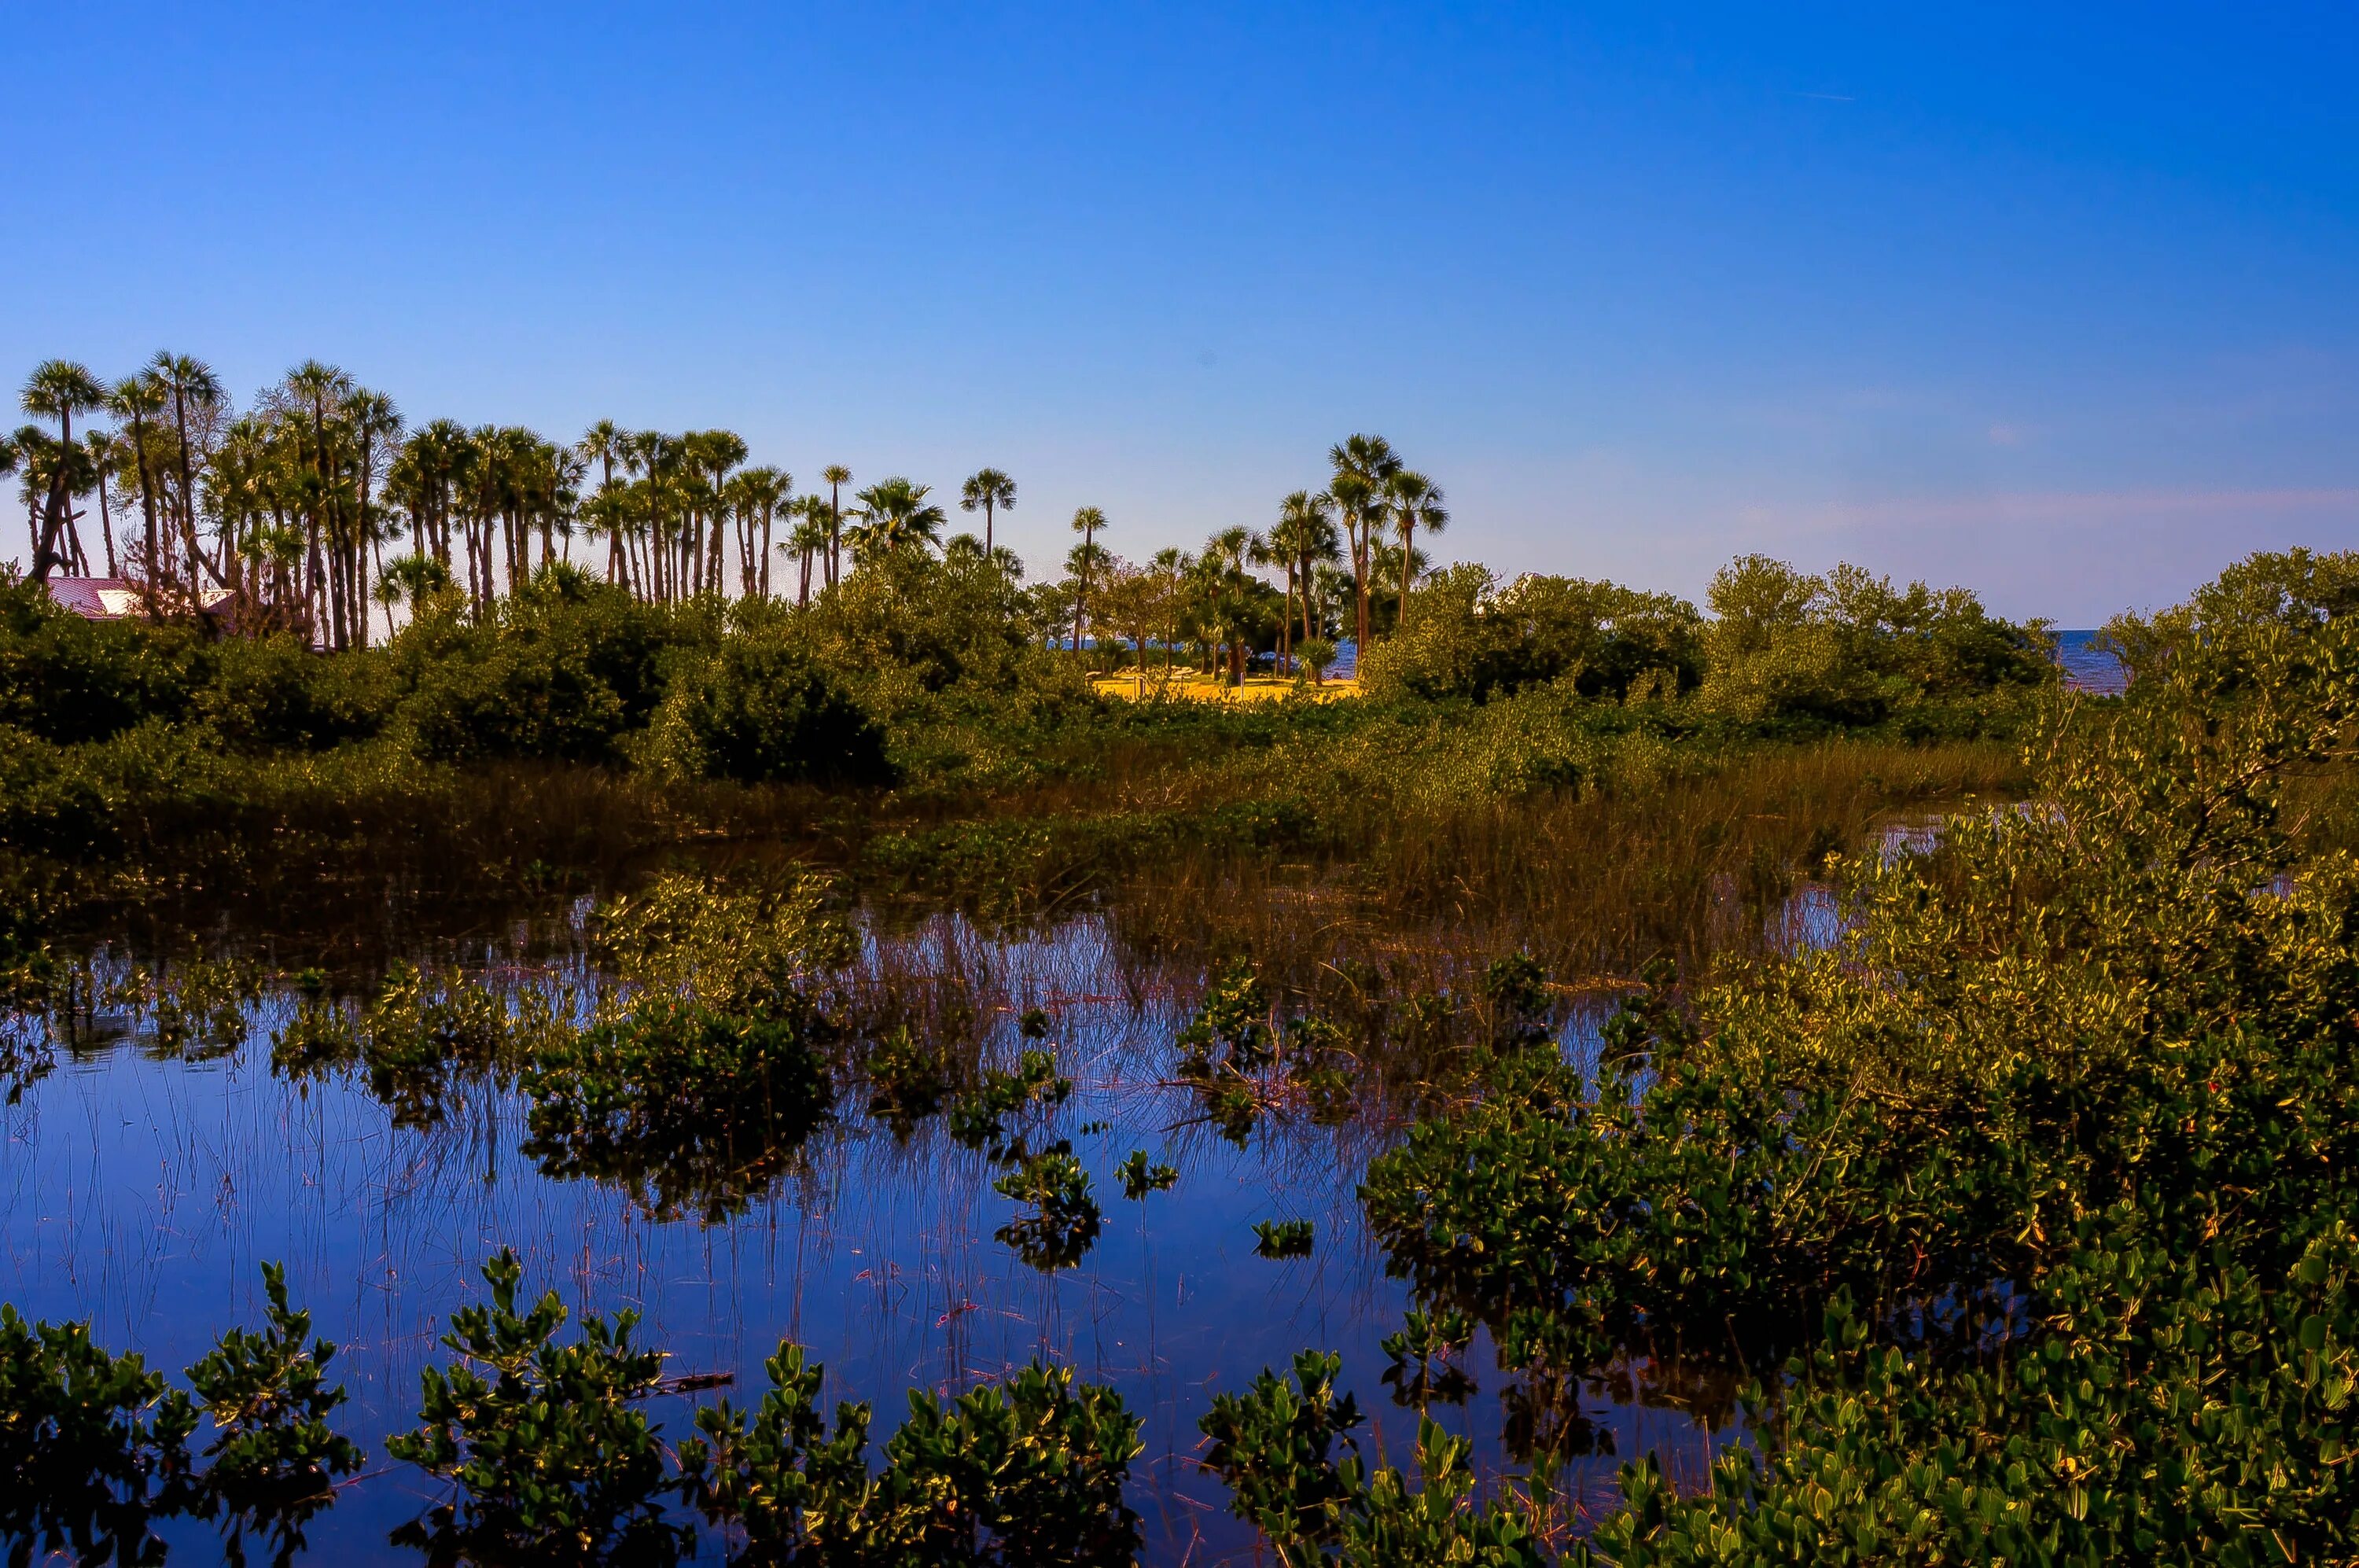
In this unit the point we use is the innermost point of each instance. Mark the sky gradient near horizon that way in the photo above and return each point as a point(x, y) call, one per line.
point(2061, 303)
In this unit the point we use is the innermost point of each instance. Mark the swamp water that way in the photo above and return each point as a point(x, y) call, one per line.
point(142, 1186)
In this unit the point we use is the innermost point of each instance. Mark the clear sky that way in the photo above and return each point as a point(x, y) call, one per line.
point(2059, 302)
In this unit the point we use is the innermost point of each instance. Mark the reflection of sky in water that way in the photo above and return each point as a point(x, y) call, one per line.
point(144, 1194)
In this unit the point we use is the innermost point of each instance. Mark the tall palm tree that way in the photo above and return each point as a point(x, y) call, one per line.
point(133, 399)
point(837, 477)
point(1415, 503)
point(1363, 465)
point(993, 491)
point(193, 390)
point(1304, 533)
point(1086, 523)
point(895, 515)
point(810, 537)
point(755, 495)
point(604, 444)
point(59, 389)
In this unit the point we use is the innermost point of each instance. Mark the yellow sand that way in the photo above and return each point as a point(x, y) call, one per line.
point(1256, 689)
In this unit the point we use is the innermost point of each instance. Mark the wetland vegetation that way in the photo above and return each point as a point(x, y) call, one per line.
point(1776, 1080)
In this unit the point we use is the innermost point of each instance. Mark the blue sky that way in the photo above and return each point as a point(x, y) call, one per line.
point(2059, 302)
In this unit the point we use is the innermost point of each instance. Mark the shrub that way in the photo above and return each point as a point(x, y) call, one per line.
point(689, 1107)
point(68, 680)
point(760, 711)
point(92, 1446)
point(566, 670)
point(547, 1455)
point(1029, 1472)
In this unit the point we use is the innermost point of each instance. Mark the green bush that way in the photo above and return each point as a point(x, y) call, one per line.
point(764, 711)
point(548, 1456)
point(66, 680)
point(564, 671)
point(1466, 637)
point(1030, 1471)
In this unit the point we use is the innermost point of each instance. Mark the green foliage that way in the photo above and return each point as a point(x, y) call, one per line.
point(1031, 1472)
point(1425, 1340)
point(759, 709)
point(564, 671)
point(92, 1446)
point(273, 1459)
point(67, 680)
point(1849, 649)
point(689, 1107)
point(1064, 1219)
point(424, 1034)
point(267, 694)
point(1283, 1238)
point(978, 1119)
point(1466, 637)
point(1139, 1178)
point(908, 1079)
point(549, 1457)
point(759, 950)
point(1280, 1447)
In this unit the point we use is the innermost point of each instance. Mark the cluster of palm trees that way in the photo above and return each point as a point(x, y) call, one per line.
point(284, 515)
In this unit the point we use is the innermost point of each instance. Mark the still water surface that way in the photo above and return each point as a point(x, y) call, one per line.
point(142, 1191)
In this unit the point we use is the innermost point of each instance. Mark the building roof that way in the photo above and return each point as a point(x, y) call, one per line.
point(114, 598)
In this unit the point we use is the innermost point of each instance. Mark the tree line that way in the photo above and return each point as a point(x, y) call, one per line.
point(320, 504)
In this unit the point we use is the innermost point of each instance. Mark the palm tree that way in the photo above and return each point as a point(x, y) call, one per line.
point(895, 515)
point(837, 477)
point(193, 388)
point(133, 399)
point(1363, 465)
point(605, 444)
point(59, 389)
point(1086, 523)
point(754, 496)
point(991, 490)
point(1415, 502)
point(1304, 533)
point(809, 539)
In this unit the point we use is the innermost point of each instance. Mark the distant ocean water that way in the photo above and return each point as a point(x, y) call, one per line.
point(2088, 667)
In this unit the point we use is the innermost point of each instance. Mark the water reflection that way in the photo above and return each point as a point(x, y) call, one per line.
point(141, 1187)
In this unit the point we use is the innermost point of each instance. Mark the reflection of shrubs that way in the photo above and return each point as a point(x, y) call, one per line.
point(549, 1457)
point(690, 1107)
point(907, 1079)
point(1063, 1223)
point(758, 710)
point(1139, 1178)
point(1282, 1238)
point(978, 1119)
point(422, 1034)
point(276, 1459)
point(1030, 1471)
point(91, 1445)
